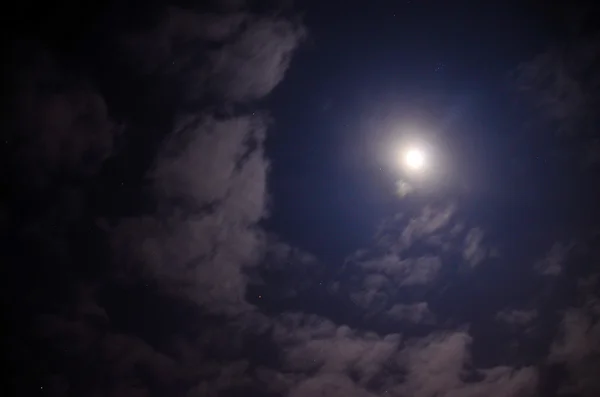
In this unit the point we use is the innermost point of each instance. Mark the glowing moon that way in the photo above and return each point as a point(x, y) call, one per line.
point(414, 159)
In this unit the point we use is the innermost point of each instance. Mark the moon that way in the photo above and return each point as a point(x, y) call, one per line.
point(414, 159)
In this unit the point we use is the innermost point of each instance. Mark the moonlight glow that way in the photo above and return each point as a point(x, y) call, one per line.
point(414, 159)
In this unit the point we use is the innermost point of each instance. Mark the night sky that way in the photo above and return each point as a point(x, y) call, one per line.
point(212, 198)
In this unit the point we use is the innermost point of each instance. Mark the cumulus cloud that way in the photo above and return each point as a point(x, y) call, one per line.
point(195, 234)
point(183, 256)
point(252, 65)
point(337, 359)
point(217, 169)
point(436, 367)
point(331, 358)
point(228, 155)
point(314, 343)
point(210, 177)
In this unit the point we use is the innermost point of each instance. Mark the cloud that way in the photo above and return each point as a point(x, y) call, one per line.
point(201, 236)
point(252, 65)
point(436, 367)
point(559, 86)
point(422, 270)
point(517, 317)
point(214, 171)
point(398, 236)
point(282, 254)
point(227, 153)
point(375, 292)
point(311, 343)
point(580, 336)
point(552, 264)
point(337, 359)
point(329, 385)
point(406, 272)
point(410, 255)
point(209, 178)
point(474, 252)
point(414, 313)
point(577, 344)
point(59, 123)
point(97, 353)
point(85, 340)
point(234, 57)
point(288, 272)
point(189, 257)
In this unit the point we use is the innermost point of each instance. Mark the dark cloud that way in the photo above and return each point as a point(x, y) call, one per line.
point(212, 168)
point(329, 385)
point(94, 354)
point(234, 57)
point(60, 122)
point(436, 365)
point(287, 273)
point(201, 252)
point(562, 86)
point(517, 317)
point(557, 90)
point(201, 248)
point(577, 344)
point(414, 313)
point(554, 261)
point(407, 271)
point(186, 252)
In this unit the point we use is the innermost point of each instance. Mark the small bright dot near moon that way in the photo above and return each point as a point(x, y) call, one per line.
point(414, 159)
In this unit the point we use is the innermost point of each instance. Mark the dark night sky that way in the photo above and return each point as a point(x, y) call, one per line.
point(197, 199)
